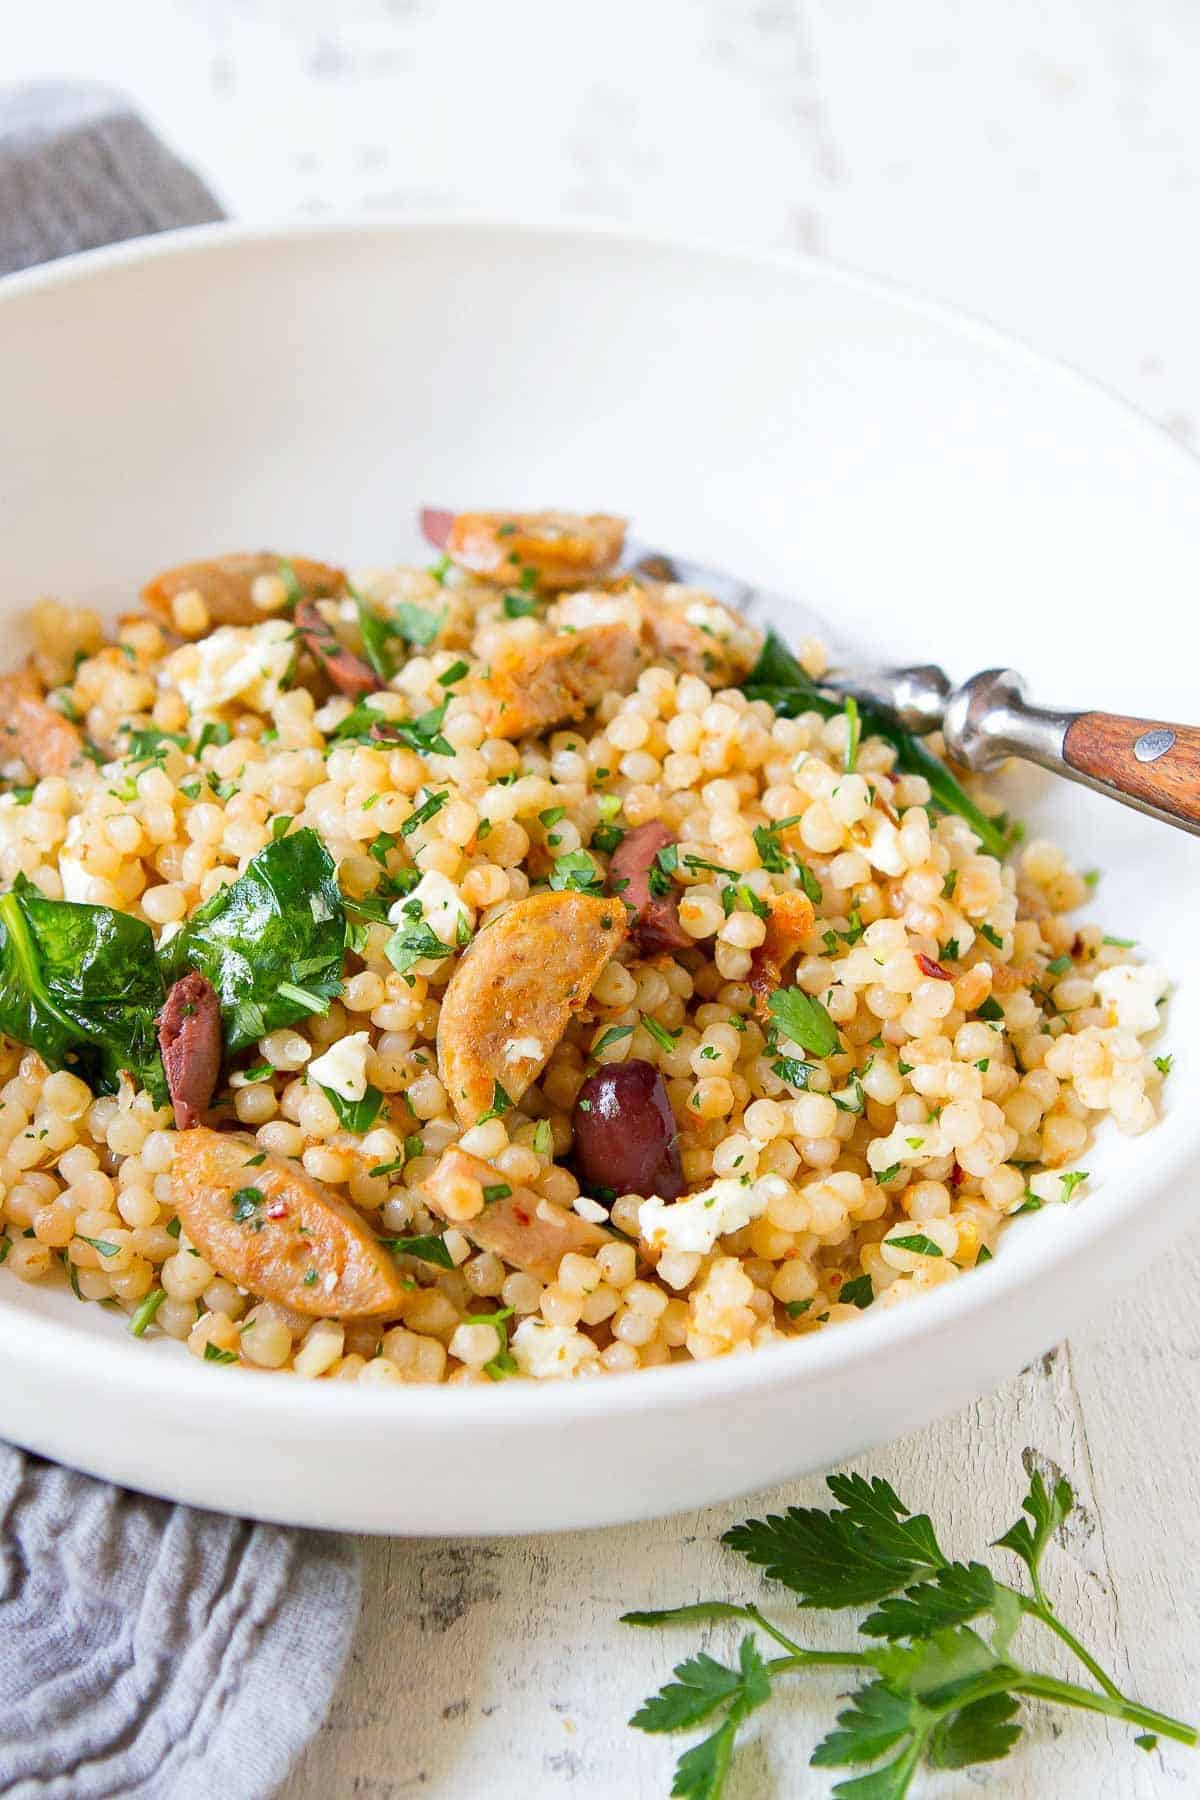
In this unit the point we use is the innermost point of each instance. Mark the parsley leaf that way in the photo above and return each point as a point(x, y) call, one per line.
point(803, 1020)
point(428, 1248)
point(355, 1115)
point(850, 1557)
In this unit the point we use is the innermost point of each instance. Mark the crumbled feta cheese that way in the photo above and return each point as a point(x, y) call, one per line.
point(908, 1144)
point(344, 1066)
point(550, 1352)
point(709, 616)
point(442, 908)
point(234, 662)
point(77, 883)
point(517, 1049)
point(576, 612)
point(591, 1210)
point(696, 1222)
point(1132, 990)
point(883, 846)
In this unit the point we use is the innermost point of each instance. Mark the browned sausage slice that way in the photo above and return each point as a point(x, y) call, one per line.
point(563, 549)
point(272, 1229)
point(349, 673)
point(532, 687)
point(701, 637)
point(519, 1227)
point(791, 920)
point(225, 584)
point(654, 924)
point(189, 1040)
point(32, 730)
point(508, 1002)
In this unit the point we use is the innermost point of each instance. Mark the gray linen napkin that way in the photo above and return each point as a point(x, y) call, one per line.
point(147, 1651)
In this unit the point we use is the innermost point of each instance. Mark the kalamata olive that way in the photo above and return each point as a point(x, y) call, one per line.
point(654, 924)
point(626, 1138)
point(189, 1039)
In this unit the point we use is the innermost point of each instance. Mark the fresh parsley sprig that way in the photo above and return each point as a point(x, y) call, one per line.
point(942, 1686)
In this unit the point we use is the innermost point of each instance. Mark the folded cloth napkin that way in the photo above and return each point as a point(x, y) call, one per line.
point(147, 1651)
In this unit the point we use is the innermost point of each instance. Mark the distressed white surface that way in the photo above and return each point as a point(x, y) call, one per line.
point(1040, 166)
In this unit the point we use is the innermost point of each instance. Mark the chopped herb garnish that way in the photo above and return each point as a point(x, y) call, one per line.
point(917, 1242)
point(853, 731)
point(101, 1246)
point(143, 1314)
point(804, 1021)
point(501, 1104)
point(992, 935)
point(429, 1249)
point(858, 1291)
point(576, 871)
point(429, 809)
point(245, 1204)
point(357, 1116)
point(212, 1354)
point(613, 1035)
point(1059, 966)
point(498, 1190)
point(666, 1040)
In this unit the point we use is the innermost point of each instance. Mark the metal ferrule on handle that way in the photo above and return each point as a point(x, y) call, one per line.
point(1143, 763)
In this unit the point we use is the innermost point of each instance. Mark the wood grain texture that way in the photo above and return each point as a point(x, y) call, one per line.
point(496, 1671)
point(1150, 759)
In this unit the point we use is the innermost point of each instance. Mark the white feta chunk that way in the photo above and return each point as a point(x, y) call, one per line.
point(1132, 991)
point(343, 1067)
point(519, 1049)
point(697, 1221)
point(235, 662)
point(551, 1352)
point(442, 907)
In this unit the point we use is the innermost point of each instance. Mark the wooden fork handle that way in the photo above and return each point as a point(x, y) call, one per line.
point(1148, 762)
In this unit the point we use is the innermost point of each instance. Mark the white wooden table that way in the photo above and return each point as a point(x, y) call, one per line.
point(1040, 166)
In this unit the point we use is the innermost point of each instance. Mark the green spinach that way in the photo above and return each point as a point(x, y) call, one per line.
point(79, 985)
point(272, 942)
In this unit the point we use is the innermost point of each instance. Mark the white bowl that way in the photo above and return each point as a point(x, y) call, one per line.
point(940, 492)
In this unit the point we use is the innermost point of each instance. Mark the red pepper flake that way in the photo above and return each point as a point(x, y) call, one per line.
point(277, 1209)
point(521, 1216)
point(956, 1176)
point(933, 969)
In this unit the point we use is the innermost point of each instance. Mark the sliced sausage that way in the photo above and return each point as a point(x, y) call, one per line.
point(33, 731)
point(654, 923)
point(519, 1227)
point(533, 687)
point(272, 1229)
point(791, 920)
point(189, 1041)
point(436, 525)
point(700, 636)
point(225, 584)
point(508, 1002)
point(351, 674)
point(563, 549)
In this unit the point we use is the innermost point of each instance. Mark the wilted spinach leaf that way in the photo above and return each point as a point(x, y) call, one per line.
point(272, 942)
point(79, 985)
